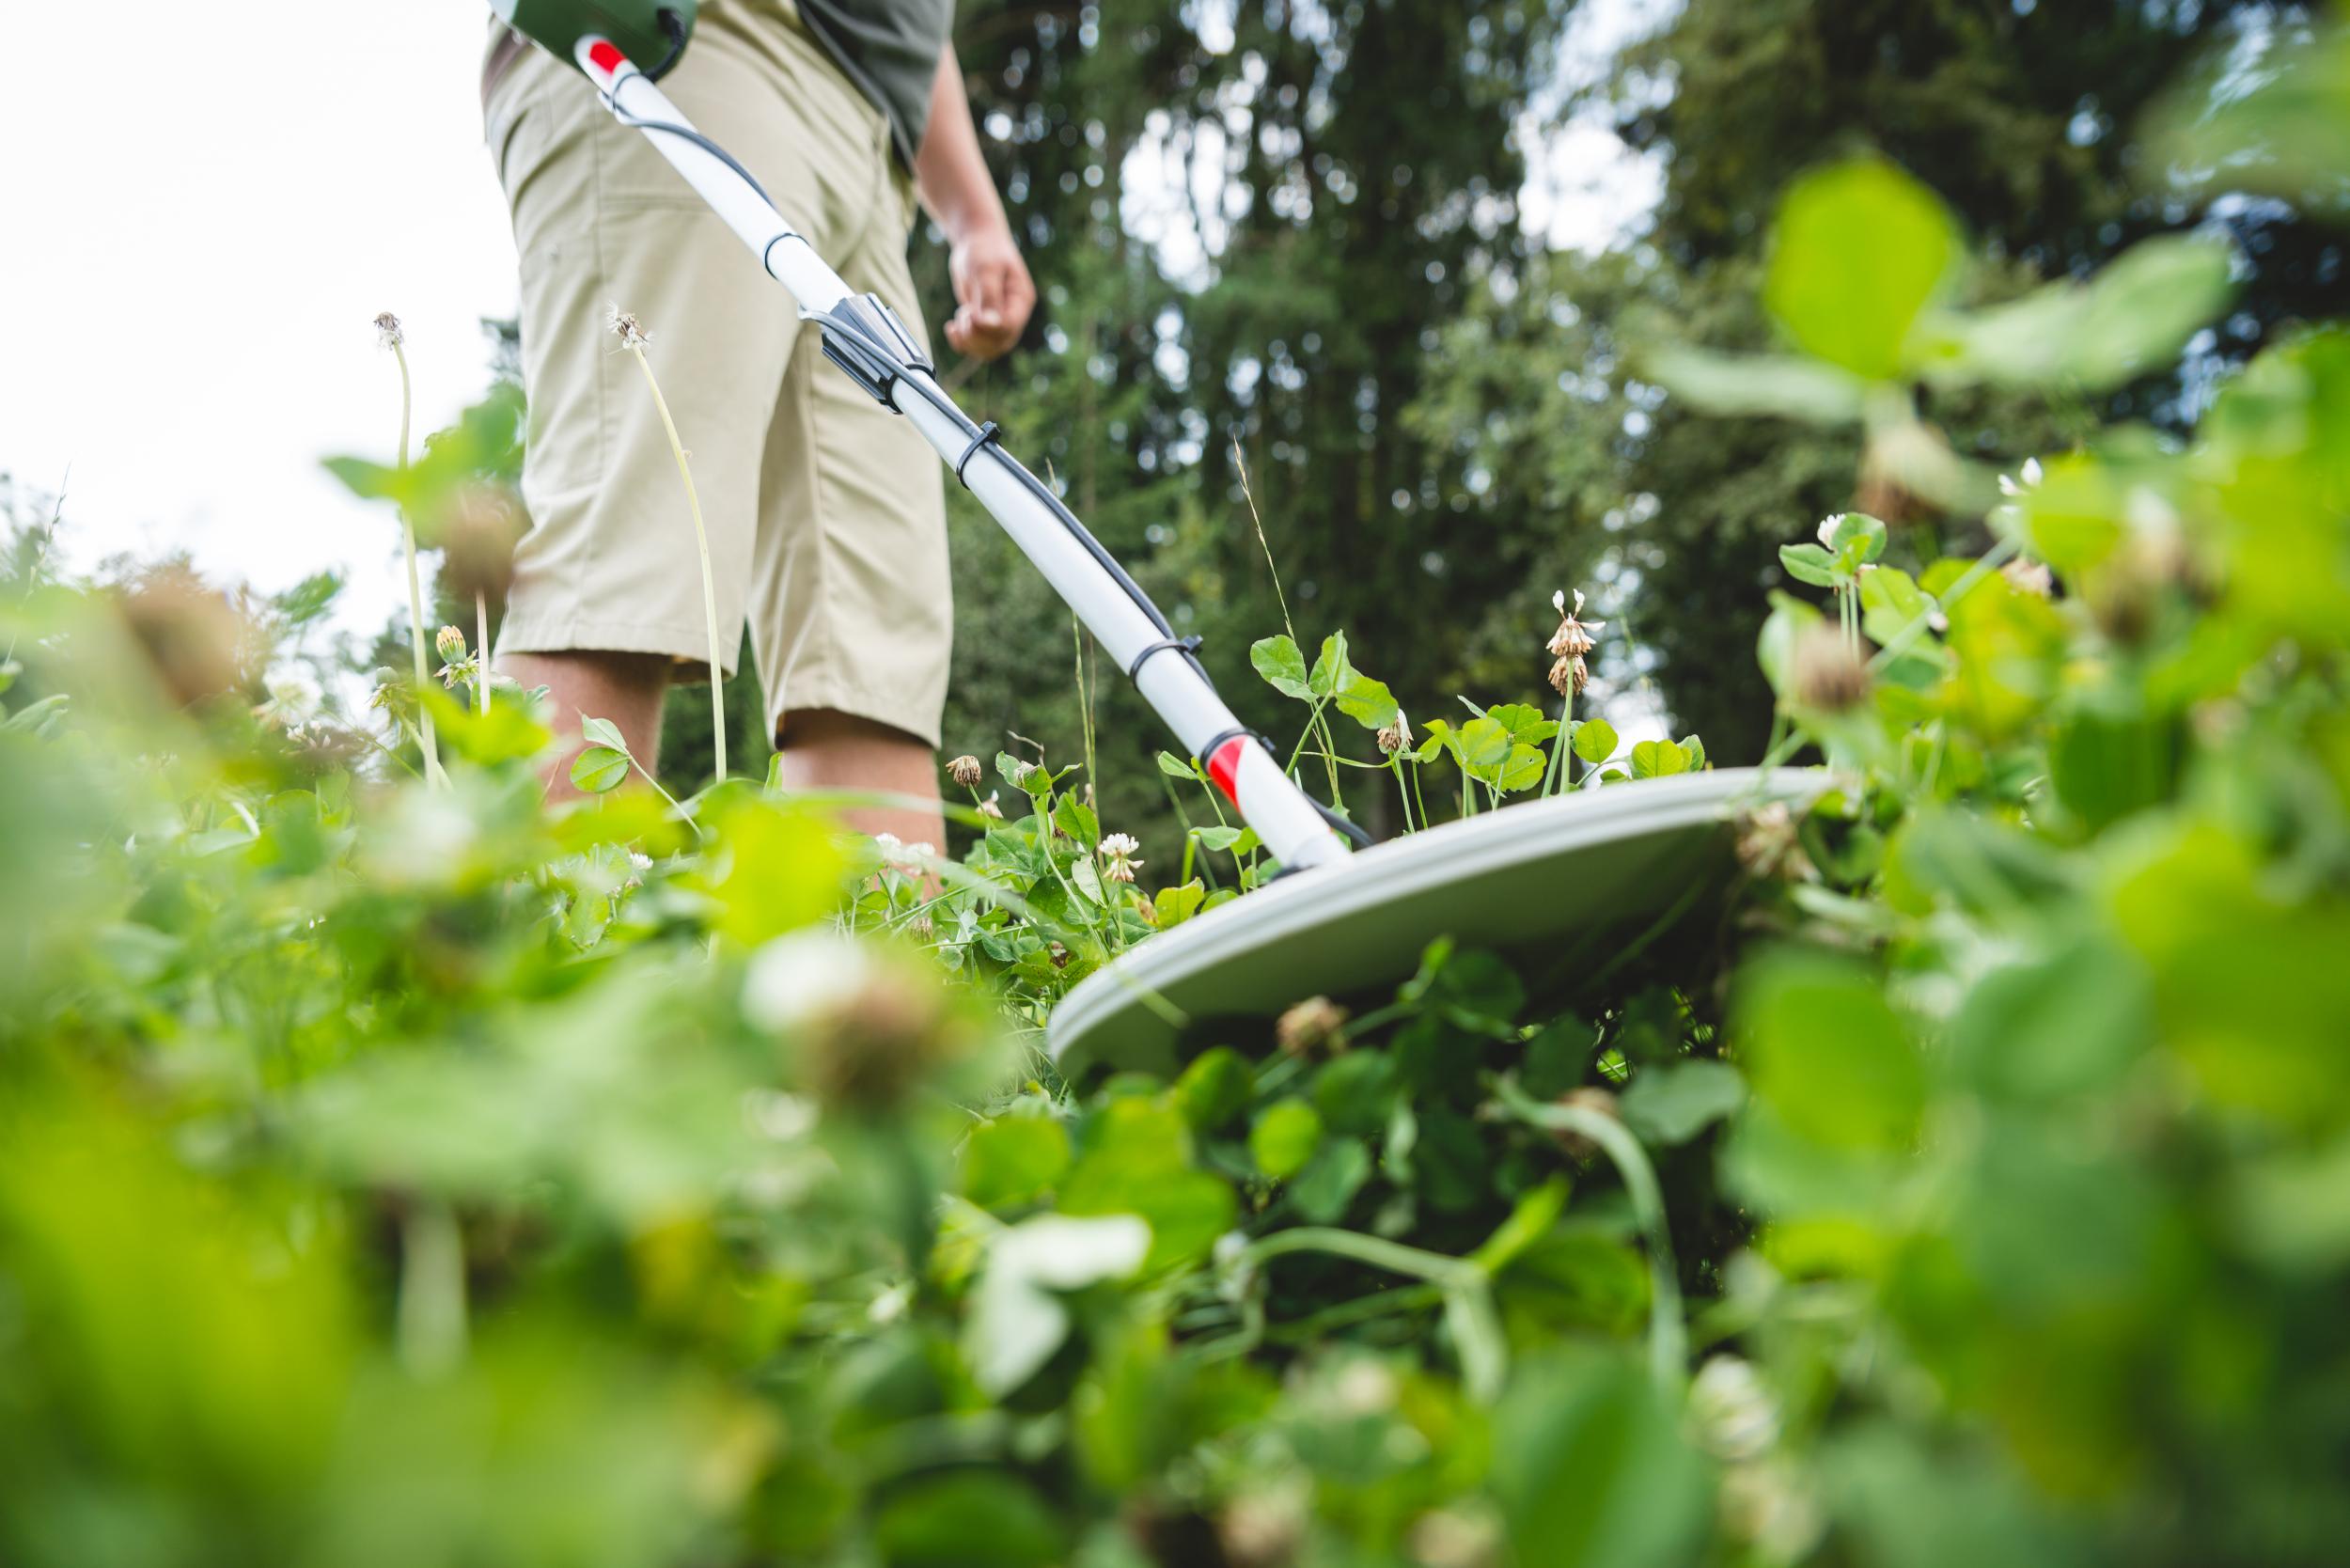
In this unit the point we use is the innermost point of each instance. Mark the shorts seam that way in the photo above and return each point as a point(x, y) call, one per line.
point(577, 633)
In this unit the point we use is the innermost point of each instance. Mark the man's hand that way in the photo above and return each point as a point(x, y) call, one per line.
point(993, 291)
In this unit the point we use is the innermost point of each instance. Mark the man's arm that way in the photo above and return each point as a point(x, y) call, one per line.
point(991, 285)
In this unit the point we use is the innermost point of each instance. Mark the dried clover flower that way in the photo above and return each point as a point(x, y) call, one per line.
point(1573, 638)
point(477, 539)
point(1310, 1024)
point(1397, 736)
point(1830, 676)
point(387, 330)
point(1593, 1098)
point(865, 1026)
point(1570, 676)
point(990, 809)
point(966, 772)
point(2032, 577)
point(1769, 846)
point(1119, 861)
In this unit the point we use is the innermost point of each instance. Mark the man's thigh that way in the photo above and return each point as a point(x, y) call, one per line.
point(851, 599)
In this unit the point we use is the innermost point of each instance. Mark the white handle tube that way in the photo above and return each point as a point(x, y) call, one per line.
point(1284, 817)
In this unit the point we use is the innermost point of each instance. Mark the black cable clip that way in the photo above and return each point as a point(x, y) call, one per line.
point(865, 337)
point(989, 435)
point(1187, 645)
point(1216, 743)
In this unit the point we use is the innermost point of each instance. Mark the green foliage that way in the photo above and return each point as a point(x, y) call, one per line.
point(403, 1173)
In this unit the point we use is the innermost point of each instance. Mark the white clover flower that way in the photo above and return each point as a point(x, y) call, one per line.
point(1828, 525)
point(808, 976)
point(989, 808)
point(2030, 471)
point(1119, 861)
point(1736, 1417)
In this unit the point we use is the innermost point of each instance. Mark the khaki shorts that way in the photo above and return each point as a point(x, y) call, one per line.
point(825, 511)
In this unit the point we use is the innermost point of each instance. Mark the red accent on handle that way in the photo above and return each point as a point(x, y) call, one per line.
point(605, 56)
point(1224, 767)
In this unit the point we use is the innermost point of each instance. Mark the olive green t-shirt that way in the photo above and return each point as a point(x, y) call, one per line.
point(890, 50)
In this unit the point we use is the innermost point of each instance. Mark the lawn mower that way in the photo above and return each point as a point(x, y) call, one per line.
point(1542, 879)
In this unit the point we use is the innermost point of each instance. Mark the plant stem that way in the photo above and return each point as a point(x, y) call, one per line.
point(432, 773)
point(1559, 743)
point(431, 1307)
point(1403, 791)
point(481, 652)
point(1668, 1334)
point(709, 585)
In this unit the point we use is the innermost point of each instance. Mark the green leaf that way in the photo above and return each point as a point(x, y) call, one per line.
point(1525, 723)
point(1859, 251)
point(1323, 1192)
point(1174, 906)
point(1074, 818)
point(1367, 702)
point(1013, 1159)
point(1285, 1136)
point(370, 480)
point(1218, 839)
point(1087, 878)
point(1672, 1103)
point(598, 769)
point(2130, 320)
point(1138, 1161)
point(968, 1519)
point(1282, 666)
point(1775, 649)
point(603, 732)
point(1827, 1054)
point(1215, 1087)
point(1332, 670)
point(1658, 759)
point(1890, 601)
point(1535, 1214)
point(1808, 563)
point(1595, 740)
point(1856, 540)
point(1175, 767)
point(1485, 745)
point(1588, 1460)
point(1777, 385)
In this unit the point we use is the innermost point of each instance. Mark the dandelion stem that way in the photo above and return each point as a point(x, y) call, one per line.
point(710, 585)
point(415, 585)
point(481, 652)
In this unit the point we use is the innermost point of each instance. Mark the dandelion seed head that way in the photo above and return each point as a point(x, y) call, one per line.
point(624, 325)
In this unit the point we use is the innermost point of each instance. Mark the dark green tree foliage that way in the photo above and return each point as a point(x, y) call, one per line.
point(1364, 172)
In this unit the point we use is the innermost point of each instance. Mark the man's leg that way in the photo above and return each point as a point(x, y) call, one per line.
point(625, 688)
point(827, 750)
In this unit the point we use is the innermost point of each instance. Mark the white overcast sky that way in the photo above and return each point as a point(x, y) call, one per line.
point(206, 205)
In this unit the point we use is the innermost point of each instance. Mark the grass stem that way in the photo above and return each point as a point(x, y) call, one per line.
point(415, 585)
point(710, 583)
